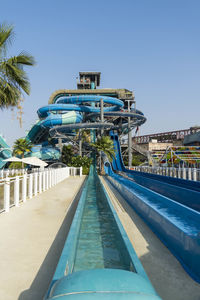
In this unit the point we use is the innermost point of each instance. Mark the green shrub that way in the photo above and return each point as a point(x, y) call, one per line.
point(16, 165)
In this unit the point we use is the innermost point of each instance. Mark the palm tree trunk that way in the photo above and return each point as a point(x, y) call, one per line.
point(22, 161)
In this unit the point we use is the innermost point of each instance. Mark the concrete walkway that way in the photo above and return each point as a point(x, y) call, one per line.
point(165, 272)
point(32, 238)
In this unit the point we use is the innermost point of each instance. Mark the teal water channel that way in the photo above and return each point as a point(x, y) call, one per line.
point(100, 244)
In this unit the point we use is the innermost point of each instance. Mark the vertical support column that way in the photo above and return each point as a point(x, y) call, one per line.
point(81, 171)
point(30, 188)
point(101, 115)
point(102, 130)
point(80, 142)
point(129, 136)
point(16, 191)
point(35, 183)
point(7, 194)
point(24, 187)
point(60, 145)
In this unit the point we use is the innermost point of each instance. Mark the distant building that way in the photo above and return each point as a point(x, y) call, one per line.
point(192, 139)
point(87, 84)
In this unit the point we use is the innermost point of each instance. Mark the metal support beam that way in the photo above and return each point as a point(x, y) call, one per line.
point(102, 115)
point(60, 145)
point(80, 142)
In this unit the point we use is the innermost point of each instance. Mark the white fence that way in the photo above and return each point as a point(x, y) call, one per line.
point(13, 172)
point(184, 173)
point(14, 190)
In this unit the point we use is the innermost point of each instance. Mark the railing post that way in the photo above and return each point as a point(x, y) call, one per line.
point(7, 194)
point(16, 191)
point(81, 170)
point(52, 177)
point(184, 173)
point(189, 174)
point(35, 183)
point(195, 174)
point(47, 179)
point(44, 181)
point(56, 176)
point(40, 182)
point(24, 187)
point(30, 188)
point(50, 183)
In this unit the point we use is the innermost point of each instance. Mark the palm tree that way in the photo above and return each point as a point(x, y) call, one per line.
point(105, 144)
point(21, 146)
point(13, 79)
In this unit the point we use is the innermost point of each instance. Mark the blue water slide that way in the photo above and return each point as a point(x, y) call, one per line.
point(5, 152)
point(98, 260)
point(183, 191)
point(175, 218)
point(70, 113)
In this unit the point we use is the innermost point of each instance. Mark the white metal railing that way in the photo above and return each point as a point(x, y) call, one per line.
point(184, 173)
point(14, 190)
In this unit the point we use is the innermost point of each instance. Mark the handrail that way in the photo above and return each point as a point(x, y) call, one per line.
point(14, 190)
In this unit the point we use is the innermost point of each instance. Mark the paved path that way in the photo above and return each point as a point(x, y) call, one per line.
point(32, 237)
point(165, 272)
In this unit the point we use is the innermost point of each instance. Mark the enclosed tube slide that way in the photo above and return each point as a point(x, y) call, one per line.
point(5, 152)
point(68, 114)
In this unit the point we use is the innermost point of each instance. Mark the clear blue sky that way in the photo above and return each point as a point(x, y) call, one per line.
point(149, 46)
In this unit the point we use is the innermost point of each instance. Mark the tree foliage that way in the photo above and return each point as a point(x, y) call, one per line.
point(16, 165)
point(104, 144)
point(13, 79)
point(71, 160)
point(21, 146)
point(67, 154)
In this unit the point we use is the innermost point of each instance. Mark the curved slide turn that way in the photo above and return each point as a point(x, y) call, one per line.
point(68, 114)
point(5, 152)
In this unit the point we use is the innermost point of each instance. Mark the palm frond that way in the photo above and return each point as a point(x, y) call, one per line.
point(21, 146)
point(13, 79)
point(15, 75)
point(6, 36)
point(105, 144)
point(24, 59)
point(9, 94)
